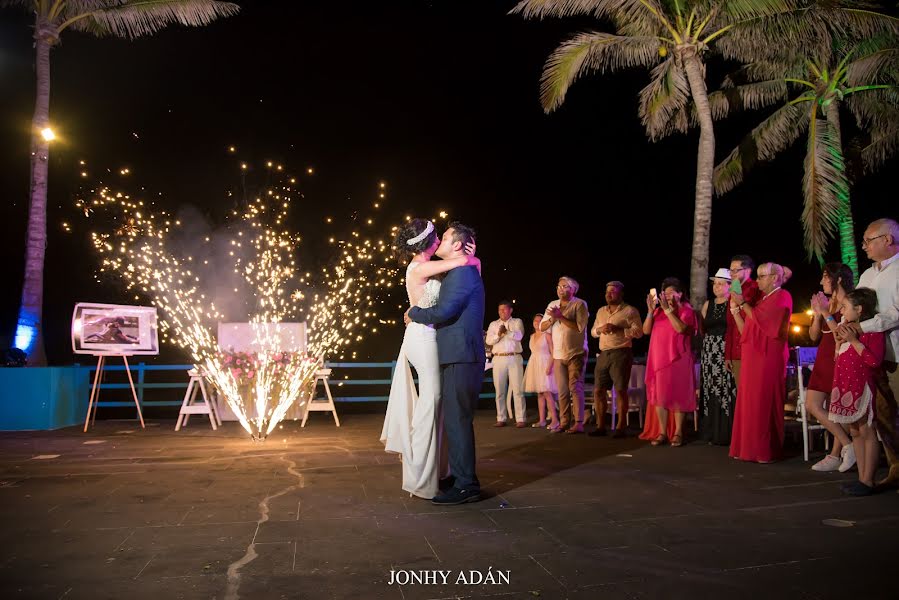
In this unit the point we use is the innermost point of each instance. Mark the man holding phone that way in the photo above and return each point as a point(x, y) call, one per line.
point(743, 289)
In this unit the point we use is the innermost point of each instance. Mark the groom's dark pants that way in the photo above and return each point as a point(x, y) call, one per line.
point(461, 388)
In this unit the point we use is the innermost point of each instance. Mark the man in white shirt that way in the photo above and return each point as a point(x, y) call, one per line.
point(505, 335)
point(881, 243)
point(568, 317)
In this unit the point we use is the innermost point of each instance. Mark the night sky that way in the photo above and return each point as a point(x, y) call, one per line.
point(439, 99)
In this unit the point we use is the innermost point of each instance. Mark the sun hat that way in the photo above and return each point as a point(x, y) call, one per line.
point(721, 274)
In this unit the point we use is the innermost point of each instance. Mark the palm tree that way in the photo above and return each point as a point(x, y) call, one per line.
point(674, 39)
point(121, 18)
point(861, 78)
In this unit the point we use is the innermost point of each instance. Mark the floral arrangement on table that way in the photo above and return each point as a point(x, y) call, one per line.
point(245, 366)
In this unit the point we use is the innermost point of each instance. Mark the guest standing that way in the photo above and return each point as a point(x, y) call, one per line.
point(670, 379)
point(717, 388)
point(881, 243)
point(759, 420)
point(617, 325)
point(567, 318)
point(741, 267)
point(836, 282)
point(855, 386)
point(539, 377)
point(504, 337)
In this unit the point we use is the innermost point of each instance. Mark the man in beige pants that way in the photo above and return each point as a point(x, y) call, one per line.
point(568, 318)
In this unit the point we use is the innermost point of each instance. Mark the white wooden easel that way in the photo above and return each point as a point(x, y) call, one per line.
point(95, 391)
point(325, 404)
point(191, 406)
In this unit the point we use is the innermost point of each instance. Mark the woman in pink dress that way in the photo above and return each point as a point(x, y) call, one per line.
point(759, 417)
point(670, 375)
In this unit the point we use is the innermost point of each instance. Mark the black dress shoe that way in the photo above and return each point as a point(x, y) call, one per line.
point(446, 483)
point(455, 496)
point(598, 433)
point(858, 489)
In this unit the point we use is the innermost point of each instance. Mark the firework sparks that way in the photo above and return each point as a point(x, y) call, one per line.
point(336, 301)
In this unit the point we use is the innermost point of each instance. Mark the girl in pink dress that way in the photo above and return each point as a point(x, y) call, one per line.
point(852, 398)
point(670, 375)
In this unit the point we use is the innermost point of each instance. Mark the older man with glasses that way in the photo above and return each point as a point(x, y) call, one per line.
point(567, 317)
point(741, 267)
point(881, 243)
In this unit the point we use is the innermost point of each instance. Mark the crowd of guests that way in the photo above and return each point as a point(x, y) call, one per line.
point(740, 392)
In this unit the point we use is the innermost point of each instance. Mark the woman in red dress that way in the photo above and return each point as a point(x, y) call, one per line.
point(759, 417)
point(837, 281)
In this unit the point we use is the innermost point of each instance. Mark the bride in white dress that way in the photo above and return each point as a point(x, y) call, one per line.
point(413, 421)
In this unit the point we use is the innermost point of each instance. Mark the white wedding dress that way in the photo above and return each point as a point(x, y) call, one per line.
point(413, 423)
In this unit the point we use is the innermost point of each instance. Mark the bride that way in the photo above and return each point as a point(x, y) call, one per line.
point(413, 421)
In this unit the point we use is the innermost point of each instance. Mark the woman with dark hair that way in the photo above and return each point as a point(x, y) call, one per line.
point(718, 392)
point(855, 385)
point(836, 281)
point(670, 379)
point(758, 433)
point(411, 424)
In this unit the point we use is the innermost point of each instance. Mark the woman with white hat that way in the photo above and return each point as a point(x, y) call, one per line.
point(718, 389)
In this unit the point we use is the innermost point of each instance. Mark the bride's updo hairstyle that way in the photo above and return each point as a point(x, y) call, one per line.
point(411, 239)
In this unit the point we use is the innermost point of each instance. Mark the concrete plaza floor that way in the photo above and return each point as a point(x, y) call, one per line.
point(318, 513)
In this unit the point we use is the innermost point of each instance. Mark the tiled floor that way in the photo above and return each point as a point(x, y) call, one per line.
point(318, 513)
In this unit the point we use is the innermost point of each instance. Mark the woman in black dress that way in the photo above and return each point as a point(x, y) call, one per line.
point(717, 388)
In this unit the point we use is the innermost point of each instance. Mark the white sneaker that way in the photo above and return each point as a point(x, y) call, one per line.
point(848, 454)
point(827, 464)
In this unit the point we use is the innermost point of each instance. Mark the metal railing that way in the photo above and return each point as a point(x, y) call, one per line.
point(339, 381)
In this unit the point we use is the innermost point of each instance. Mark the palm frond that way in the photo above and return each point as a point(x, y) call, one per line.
point(588, 52)
point(824, 187)
point(540, 9)
point(764, 39)
point(765, 71)
point(881, 66)
point(874, 109)
point(742, 10)
point(135, 18)
point(664, 100)
point(763, 143)
point(858, 23)
point(884, 144)
point(749, 96)
point(16, 3)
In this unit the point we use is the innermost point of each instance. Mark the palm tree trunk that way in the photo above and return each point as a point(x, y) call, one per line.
point(705, 166)
point(846, 224)
point(29, 329)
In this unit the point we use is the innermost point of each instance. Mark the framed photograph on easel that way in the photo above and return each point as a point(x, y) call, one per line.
point(114, 329)
point(105, 330)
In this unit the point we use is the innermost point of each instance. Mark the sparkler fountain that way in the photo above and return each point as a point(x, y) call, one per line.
point(339, 302)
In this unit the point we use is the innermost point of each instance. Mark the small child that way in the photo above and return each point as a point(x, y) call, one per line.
point(852, 398)
point(538, 377)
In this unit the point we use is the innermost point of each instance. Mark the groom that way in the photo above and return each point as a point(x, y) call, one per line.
point(459, 317)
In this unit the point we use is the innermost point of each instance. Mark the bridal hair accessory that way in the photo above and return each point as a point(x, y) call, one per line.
point(422, 235)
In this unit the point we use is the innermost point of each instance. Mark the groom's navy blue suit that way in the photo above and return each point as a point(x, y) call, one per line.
point(459, 317)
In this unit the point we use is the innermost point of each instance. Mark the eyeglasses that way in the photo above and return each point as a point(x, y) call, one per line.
point(760, 275)
point(866, 241)
point(738, 270)
point(564, 287)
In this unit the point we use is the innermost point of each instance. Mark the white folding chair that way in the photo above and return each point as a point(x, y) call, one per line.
point(805, 357)
point(636, 397)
